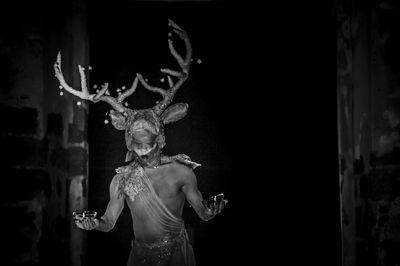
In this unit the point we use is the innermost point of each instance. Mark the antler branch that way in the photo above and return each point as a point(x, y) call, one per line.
point(116, 103)
point(151, 88)
point(129, 92)
point(184, 64)
point(182, 75)
point(84, 94)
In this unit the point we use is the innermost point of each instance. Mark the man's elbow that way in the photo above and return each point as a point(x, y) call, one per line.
point(105, 226)
point(207, 217)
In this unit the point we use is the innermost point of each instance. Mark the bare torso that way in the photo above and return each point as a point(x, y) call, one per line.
point(173, 183)
point(167, 181)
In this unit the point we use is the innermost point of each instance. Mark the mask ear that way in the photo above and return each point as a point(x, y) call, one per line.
point(118, 120)
point(174, 113)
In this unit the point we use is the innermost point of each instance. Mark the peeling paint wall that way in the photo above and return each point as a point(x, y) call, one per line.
point(368, 111)
point(345, 99)
point(44, 142)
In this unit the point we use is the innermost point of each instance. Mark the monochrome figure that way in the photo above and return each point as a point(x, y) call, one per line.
point(154, 186)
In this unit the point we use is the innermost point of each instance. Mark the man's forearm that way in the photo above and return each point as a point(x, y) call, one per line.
point(104, 225)
point(206, 216)
point(205, 213)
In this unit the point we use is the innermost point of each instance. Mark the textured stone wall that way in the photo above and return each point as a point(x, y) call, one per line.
point(367, 82)
point(43, 135)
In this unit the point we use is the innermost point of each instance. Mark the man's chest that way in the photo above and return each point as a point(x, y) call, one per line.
point(163, 189)
point(166, 185)
point(150, 182)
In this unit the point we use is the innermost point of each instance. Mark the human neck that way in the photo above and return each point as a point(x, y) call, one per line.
point(153, 159)
point(153, 162)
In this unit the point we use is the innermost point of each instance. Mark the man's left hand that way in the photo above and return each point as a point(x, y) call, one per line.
point(214, 206)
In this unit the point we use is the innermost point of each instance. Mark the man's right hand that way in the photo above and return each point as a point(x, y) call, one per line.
point(87, 223)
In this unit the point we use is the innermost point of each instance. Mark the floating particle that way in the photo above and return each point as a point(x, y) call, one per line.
point(199, 61)
point(162, 79)
point(123, 87)
point(169, 34)
point(90, 67)
point(126, 104)
point(106, 121)
point(95, 86)
point(61, 93)
point(60, 87)
point(97, 91)
point(78, 103)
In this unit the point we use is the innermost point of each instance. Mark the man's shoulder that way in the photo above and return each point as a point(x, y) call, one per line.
point(116, 180)
point(181, 173)
point(179, 168)
point(181, 159)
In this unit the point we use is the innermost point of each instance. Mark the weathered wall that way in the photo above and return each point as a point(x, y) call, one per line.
point(368, 82)
point(43, 135)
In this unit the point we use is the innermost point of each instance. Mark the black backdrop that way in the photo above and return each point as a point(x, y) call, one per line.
point(262, 121)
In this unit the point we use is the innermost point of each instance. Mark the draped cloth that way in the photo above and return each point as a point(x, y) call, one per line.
point(169, 251)
point(171, 246)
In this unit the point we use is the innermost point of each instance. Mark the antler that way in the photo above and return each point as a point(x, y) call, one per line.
point(101, 95)
point(182, 75)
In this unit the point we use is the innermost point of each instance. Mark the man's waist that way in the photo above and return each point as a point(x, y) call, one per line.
point(165, 240)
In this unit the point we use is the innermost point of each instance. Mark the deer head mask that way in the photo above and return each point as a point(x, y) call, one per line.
point(144, 129)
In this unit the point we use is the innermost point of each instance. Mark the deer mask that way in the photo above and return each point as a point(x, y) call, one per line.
point(146, 125)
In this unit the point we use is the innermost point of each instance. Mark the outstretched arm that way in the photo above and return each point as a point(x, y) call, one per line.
point(114, 209)
point(194, 197)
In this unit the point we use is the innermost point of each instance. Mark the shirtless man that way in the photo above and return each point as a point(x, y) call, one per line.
point(153, 185)
point(173, 182)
